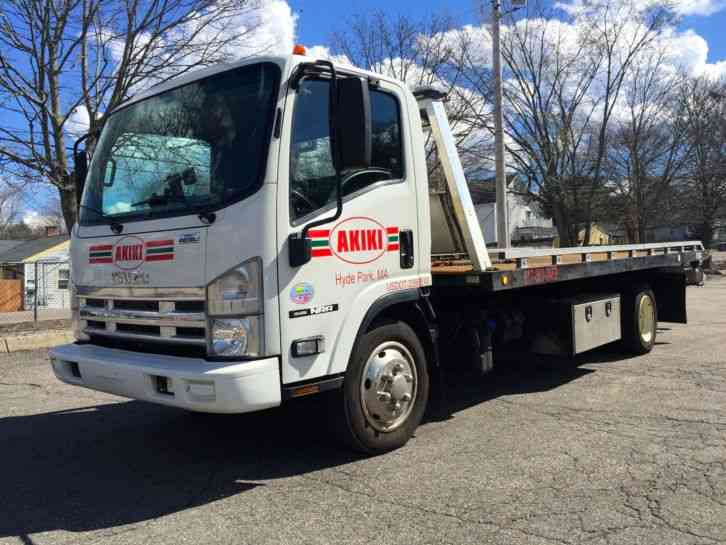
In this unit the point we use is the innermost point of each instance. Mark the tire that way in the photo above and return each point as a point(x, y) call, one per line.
point(389, 360)
point(639, 320)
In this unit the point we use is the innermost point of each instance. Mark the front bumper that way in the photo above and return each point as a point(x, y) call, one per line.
point(191, 383)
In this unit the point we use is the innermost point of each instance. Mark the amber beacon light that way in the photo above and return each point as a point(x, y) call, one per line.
point(299, 50)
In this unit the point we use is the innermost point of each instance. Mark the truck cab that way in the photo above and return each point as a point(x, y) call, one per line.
point(184, 291)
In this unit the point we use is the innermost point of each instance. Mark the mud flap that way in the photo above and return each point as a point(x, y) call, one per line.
point(670, 295)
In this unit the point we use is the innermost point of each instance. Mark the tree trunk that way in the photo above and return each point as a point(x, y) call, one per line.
point(641, 233)
point(706, 234)
point(69, 205)
point(562, 223)
point(631, 233)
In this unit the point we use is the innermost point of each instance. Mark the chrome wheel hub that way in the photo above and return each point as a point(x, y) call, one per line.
point(646, 319)
point(388, 386)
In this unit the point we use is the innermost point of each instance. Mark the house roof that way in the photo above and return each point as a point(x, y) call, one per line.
point(6, 245)
point(29, 248)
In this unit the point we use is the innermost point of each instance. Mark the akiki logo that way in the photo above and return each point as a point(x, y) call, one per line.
point(357, 240)
point(130, 253)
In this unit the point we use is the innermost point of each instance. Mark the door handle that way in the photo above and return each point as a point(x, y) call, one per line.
point(405, 241)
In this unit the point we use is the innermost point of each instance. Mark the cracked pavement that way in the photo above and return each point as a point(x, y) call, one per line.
point(614, 450)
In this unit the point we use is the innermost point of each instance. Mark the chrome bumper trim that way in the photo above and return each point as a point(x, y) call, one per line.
point(170, 294)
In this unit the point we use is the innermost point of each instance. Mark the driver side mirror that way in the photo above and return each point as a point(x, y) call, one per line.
point(351, 143)
point(351, 125)
point(80, 170)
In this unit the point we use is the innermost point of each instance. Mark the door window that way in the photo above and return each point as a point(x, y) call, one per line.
point(312, 180)
point(64, 276)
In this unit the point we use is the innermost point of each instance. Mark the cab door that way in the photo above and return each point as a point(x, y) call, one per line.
point(356, 259)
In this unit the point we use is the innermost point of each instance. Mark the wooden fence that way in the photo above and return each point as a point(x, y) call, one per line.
point(11, 295)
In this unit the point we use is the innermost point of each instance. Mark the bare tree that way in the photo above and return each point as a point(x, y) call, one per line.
point(619, 33)
point(548, 117)
point(648, 148)
point(704, 191)
point(9, 209)
point(64, 62)
point(563, 81)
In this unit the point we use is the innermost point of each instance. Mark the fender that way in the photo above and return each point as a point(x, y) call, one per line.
point(415, 304)
point(382, 303)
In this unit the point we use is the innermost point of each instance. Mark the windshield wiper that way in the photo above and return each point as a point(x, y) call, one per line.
point(173, 191)
point(115, 225)
point(159, 200)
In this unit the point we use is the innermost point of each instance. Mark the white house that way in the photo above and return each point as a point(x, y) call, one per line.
point(525, 222)
point(44, 265)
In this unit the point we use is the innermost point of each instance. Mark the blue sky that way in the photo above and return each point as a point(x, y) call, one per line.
point(712, 28)
point(311, 22)
point(319, 18)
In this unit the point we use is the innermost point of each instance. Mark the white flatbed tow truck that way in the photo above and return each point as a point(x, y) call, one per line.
point(265, 230)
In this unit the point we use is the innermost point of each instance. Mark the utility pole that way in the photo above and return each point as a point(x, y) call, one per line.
point(35, 299)
point(503, 238)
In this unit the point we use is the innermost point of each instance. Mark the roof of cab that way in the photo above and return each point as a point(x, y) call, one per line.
point(280, 60)
point(202, 73)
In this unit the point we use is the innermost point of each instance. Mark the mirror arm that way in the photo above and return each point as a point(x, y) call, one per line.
point(83, 139)
point(300, 244)
point(79, 184)
point(79, 141)
point(334, 148)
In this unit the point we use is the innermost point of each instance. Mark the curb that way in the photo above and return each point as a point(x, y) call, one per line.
point(34, 341)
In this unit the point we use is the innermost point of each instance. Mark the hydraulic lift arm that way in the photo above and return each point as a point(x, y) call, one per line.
point(463, 206)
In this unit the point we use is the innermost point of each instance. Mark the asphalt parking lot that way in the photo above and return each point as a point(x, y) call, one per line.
point(616, 450)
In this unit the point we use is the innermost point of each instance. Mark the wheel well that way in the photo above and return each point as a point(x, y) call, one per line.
point(411, 314)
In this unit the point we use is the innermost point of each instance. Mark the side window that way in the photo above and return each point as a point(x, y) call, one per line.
point(64, 276)
point(312, 180)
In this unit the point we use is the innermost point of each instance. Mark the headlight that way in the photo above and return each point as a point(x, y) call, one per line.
point(78, 333)
point(238, 291)
point(235, 307)
point(237, 336)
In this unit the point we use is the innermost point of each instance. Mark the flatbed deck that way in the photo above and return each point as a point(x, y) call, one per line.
point(521, 267)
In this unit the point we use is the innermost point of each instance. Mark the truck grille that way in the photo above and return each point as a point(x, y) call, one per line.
point(171, 316)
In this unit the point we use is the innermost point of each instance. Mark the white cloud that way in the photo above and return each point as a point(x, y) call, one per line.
point(681, 7)
point(688, 51)
point(323, 52)
point(78, 122)
point(268, 27)
point(716, 70)
point(255, 27)
point(259, 27)
point(700, 7)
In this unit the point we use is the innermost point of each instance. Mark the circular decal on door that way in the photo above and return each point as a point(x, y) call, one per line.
point(302, 293)
point(128, 253)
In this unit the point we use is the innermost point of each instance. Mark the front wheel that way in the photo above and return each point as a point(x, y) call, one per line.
point(385, 391)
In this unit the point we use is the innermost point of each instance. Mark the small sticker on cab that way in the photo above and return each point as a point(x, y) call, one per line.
point(302, 293)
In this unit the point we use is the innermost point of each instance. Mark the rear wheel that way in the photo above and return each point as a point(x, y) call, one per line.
point(385, 390)
point(640, 320)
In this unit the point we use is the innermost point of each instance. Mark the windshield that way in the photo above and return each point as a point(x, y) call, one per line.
point(197, 147)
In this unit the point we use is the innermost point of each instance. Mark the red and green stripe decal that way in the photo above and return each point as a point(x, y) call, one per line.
point(392, 233)
point(320, 239)
point(154, 250)
point(159, 250)
point(103, 253)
